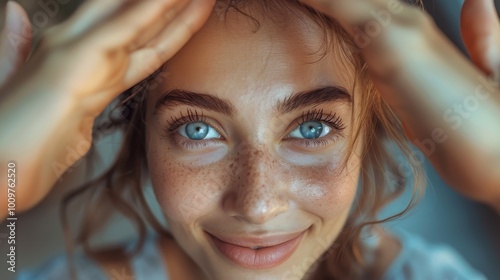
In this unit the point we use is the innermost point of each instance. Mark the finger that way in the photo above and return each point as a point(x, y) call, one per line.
point(137, 24)
point(153, 30)
point(373, 24)
point(349, 13)
point(14, 45)
point(90, 14)
point(182, 28)
point(480, 28)
point(96, 14)
point(151, 57)
point(170, 40)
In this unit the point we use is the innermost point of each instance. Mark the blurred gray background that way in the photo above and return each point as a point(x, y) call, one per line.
point(442, 217)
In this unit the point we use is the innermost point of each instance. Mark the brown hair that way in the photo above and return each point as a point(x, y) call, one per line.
point(120, 187)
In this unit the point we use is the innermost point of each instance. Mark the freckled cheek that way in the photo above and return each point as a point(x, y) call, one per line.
point(323, 192)
point(185, 193)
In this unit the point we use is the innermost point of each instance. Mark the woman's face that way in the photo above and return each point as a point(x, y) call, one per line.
point(244, 145)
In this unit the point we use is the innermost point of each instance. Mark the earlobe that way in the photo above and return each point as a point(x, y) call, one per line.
point(480, 29)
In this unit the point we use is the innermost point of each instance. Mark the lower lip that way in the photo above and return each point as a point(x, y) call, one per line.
point(267, 257)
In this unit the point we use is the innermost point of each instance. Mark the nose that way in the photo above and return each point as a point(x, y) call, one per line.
point(257, 194)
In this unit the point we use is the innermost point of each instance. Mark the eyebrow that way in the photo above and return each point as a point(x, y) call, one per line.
point(318, 96)
point(300, 100)
point(178, 97)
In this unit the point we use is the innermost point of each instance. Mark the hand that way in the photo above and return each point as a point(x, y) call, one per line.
point(107, 47)
point(77, 69)
point(449, 108)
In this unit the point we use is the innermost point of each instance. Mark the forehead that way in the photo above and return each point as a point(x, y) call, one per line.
point(279, 56)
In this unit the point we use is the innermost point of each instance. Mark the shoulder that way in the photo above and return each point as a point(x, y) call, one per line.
point(109, 263)
point(418, 259)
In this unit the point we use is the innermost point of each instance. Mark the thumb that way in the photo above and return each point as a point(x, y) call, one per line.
point(15, 40)
point(480, 30)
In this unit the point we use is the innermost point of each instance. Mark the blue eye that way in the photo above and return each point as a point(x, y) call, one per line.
point(198, 131)
point(311, 130)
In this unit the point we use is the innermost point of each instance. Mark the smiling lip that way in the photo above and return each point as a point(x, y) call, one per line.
point(273, 250)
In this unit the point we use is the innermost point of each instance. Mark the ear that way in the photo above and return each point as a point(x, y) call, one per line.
point(15, 40)
point(480, 28)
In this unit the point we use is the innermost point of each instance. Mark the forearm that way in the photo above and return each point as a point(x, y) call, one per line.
point(43, 133)
point(453, 116)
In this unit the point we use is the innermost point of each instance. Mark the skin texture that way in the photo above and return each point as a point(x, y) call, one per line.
point(233, 192)
point(252, 181)
point(411, 32)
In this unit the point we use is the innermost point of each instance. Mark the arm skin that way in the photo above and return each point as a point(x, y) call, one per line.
point(29, 132)
point(450, 108)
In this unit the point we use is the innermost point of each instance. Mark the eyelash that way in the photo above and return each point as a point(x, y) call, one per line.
point(191, 116)
point(331, 119)
point(317, 115)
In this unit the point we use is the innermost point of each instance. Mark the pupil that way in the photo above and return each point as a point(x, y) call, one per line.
point(197, 131)
point(311, 130)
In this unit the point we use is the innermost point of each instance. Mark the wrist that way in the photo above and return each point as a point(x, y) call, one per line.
point(41, 114)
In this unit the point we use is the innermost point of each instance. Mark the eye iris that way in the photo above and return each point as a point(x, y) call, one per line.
point(311, 130)
point(197, 130)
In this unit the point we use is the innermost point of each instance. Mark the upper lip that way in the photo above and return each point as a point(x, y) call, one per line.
point(253, 241)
